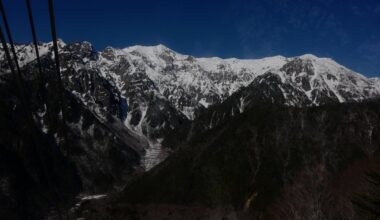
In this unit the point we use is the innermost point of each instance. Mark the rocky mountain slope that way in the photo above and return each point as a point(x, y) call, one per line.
point(190, 83)
point(128, 109)
point(271, 162)
point(153, 81)
point(155, 90)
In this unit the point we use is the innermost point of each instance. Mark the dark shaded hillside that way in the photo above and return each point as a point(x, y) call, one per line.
point(264, 161)
point(44, 164)
point(35, 176)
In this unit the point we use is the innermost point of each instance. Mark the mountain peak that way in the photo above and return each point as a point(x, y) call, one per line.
point(148, 49)
point(308, 57)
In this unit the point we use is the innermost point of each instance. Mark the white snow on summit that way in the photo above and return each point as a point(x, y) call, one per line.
point(211, 80)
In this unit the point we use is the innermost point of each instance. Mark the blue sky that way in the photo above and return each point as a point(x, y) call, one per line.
point(345, 30)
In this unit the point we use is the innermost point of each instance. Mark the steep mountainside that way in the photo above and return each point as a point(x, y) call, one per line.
point(127, 109)
point(190, 83)
point(271, 162)
point(157, 90)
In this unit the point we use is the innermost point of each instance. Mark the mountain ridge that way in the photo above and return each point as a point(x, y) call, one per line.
point(129, 109)
point(150, 81)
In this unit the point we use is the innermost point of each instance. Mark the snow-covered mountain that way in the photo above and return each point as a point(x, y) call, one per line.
point(190, 82)
point(127, 109)
point(157, 90)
